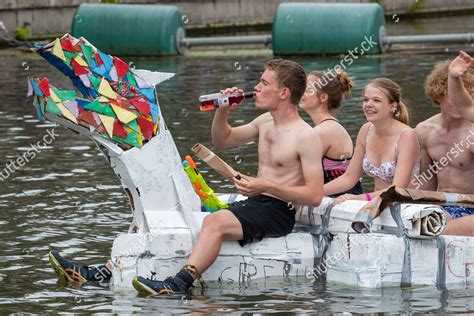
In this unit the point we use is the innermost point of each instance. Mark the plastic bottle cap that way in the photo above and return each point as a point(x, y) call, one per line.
point(248, 95)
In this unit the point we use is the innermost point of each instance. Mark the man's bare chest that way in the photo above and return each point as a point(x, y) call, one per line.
point(278, 149)
point(457, 148)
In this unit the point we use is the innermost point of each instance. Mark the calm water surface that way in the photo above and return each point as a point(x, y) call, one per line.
point(68, 198)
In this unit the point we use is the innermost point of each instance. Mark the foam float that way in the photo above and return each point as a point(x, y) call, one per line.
point(120, 113)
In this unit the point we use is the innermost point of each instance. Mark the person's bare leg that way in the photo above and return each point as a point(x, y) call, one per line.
point(463, 226)
point(219, 226)
point(110, 265)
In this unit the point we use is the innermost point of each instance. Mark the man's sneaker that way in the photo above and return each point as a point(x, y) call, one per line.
point(177, 284)
point(66, 269)
point(73, 272)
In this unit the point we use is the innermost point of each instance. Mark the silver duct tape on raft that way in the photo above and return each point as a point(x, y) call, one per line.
point(420, 220)
point(380, 260)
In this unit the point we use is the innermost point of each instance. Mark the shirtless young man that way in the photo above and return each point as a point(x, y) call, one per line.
point(463, 101)
point(287, 172)
point(447, 149)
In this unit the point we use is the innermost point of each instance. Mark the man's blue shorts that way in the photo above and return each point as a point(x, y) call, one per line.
point(457, 211)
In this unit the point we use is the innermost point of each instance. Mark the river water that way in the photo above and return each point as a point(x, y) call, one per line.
point(68, 198)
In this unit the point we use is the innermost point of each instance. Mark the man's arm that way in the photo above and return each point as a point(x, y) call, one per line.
point(458, 94)
point(223, 135)
point(421, 181)
point(311, 193)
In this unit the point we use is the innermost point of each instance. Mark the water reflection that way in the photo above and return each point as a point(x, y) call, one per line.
point(275, 295)
point(68, 198)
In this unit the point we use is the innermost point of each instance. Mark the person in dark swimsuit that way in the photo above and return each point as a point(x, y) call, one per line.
point(322, 98)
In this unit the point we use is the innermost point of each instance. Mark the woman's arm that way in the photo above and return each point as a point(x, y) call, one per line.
point(422, 182)
point(408, 156)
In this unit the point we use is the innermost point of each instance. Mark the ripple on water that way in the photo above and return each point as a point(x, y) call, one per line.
point(15, 129)
point(23, 148)
point(16, 267)
point(69, 243)
point(81, 189)
point(8, 195)
point(60, 207)
point(97, 204)
point(42, 235)
point(79, 171)
point(108, 187)
point(51, 176)
point(79, 148)
point(30, 193)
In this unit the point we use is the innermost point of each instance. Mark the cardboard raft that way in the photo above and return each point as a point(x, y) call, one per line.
point(360, 260)
point(167, 220)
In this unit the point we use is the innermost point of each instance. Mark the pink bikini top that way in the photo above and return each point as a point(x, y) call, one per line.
point(386, 170)
point(336, 164)
point(334, 168)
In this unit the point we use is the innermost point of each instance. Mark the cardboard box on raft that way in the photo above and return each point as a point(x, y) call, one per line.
point(366, 261)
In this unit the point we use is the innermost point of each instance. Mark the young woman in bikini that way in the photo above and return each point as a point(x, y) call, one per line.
point(322, 99)
point(387, 149)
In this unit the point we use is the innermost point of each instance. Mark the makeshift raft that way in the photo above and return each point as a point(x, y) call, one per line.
point(403, 247)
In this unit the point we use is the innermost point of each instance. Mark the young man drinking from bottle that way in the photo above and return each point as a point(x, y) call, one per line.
point(287, 172)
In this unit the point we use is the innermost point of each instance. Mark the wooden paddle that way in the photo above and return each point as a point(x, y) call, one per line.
point(213, 161)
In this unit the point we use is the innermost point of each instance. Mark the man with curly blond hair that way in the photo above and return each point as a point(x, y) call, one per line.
point(447, 145)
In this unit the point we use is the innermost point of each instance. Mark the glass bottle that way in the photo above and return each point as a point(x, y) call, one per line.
point(219, 100)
